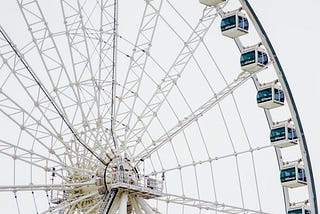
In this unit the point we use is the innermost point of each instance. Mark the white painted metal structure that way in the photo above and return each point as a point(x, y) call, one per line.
point(130, 107)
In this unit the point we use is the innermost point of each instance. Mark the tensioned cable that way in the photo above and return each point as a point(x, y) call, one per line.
point(250, 146)
point(221, 112)
point(49, 203)
point(35, 203)
point(114, 61)
point(239, 114)
point(17, 203)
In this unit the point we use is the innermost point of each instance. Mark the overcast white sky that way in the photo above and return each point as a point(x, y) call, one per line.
point(294, 32)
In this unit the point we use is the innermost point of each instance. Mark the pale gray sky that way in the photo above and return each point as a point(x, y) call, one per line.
point(294, 32)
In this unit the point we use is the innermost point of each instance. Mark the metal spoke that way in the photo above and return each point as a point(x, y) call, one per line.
point(36, 84)
point(142, 107)
point(85, 80)
point(194, 116)
point(208, 205)
point(37, 160)
point(173, 74)
point(82, 68)
point(42, 187)
point(213, 159)
point(69, 205)
point(36, 129)
point(138, 61)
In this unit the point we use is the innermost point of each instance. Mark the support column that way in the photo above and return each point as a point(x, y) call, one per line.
point(123, 203)
point(145, 206)
point(136, 206)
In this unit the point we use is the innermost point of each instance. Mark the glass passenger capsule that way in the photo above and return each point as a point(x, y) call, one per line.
point(270, 96)
point(293, 176)
point(211, 2)
point(253, 59)
point(299, 210)
point(283, 135)
point(234, 24)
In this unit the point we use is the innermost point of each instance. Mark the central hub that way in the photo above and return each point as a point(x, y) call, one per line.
point(120, 171)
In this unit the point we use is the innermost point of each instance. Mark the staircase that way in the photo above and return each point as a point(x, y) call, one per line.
point(108, 201)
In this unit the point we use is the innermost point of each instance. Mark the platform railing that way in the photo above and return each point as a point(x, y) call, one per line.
point(137, 180)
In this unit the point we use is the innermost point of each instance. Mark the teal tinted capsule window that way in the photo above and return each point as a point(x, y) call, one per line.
point(288, 174)
point(278, 95)
point(243, 23)
point(248, 58)
point(264, 95)
point(302, 175)
point(262, 58)
point(297, 211)
point(265, 58)
point(292, 134)
point(278, 134)
point(228, 23)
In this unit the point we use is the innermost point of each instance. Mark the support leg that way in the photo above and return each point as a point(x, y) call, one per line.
point(145, 206)
point(123, 203)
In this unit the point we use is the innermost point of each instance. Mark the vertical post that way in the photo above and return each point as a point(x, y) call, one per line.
point(114, 72)
point(123, 203)
point(135, 205)
point(144, 205)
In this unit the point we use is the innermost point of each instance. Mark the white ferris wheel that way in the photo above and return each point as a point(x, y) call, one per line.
point(112, 106)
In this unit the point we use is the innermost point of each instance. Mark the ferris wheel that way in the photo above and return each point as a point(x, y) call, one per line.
point(155, 106)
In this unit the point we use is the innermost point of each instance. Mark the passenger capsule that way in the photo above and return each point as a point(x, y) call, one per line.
point(253, 59)
point(293, 176)
point(283, 135)
point(234, 24)
point(270, 96)
point(211, 2)
point(299, 210)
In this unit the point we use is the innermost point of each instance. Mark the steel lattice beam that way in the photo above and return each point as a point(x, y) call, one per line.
point(167, 83)
point(32, 85)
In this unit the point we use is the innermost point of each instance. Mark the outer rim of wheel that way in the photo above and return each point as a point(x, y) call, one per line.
point(290, 100)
